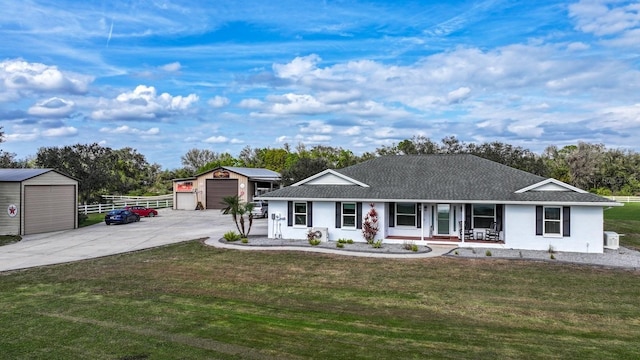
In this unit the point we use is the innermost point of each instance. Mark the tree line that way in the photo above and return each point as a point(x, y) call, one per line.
point(102, 170)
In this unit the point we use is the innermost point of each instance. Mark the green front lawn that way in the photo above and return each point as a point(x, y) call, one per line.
point(191, 301)
point(624, 220)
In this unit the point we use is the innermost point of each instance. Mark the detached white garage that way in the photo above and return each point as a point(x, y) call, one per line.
point(36, 201)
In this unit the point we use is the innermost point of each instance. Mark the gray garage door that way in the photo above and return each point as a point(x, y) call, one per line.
point(49, 208)
point(219, 188)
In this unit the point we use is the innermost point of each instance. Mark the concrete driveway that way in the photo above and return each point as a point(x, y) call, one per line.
point(170, 226)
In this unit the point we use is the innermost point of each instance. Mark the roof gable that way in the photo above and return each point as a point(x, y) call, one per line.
point(329, 177)
point(550, 185)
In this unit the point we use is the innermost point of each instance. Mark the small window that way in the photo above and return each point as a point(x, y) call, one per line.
point(300, 213)
point(406, 214)
point(483, 215)
point(553, 221)
point(349, 215)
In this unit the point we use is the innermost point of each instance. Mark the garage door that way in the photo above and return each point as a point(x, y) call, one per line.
point(49, 208)
point(185, 201)
point(219, 188)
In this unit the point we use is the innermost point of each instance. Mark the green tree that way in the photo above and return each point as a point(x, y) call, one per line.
point(223, 159)
point(93, 166)
point(7, 159)
point(235, 207)
point(302, 169)
point(196, 158)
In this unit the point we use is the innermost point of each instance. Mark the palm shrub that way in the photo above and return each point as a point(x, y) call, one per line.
point(235, 207)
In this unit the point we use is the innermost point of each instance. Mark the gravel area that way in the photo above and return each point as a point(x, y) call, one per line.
point(356, 246)
point(621, 258)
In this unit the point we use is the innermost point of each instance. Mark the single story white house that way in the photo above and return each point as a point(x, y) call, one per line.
point(441, 199)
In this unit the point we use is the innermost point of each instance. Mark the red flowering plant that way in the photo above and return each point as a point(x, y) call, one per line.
point(370, 225)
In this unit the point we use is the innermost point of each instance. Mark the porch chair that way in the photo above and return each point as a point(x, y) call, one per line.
point(493, 232)
point(466, 233)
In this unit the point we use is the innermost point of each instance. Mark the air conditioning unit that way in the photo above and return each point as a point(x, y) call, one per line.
point(611, 240)
point(321, 233)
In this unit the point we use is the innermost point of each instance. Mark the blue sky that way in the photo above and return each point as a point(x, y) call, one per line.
point(167, 76)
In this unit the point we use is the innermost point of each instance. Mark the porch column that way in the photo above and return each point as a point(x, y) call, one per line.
point(421, 222)
point(464, 225)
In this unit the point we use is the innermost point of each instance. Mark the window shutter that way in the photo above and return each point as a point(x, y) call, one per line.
point(309, 214)
point(566, 221)
point(338, 214)
point(499, 209)
point(392, 214)
point(290, 213)
point(359, 215)
point(419, 215)
point(539, 220)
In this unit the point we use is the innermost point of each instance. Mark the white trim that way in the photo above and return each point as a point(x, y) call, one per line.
point(354, 215)
point(550, 181)
point(505, 202)
point(332, 172)
point(560, 233)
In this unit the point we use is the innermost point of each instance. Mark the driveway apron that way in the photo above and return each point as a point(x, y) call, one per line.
point(170, 226)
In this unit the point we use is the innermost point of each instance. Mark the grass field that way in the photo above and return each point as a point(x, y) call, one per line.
point(625, 220)
point(191, 301)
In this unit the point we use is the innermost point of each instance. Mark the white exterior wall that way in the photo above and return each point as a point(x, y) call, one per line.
point(586, 230)
point(323, 217)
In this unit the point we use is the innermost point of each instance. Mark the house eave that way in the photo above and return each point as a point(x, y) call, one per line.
point(443, 201)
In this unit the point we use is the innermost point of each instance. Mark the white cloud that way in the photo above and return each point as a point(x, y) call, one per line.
point(217, 139)
point(218, 101)
point(54, 107)
point(172, 67)
point(19, 75)
point(250, 103)
point(124, 129)
point(297, 104)
point(605, 17)
point(297, 68)
point(64, 131)
point(458, 95)
point(143, 103)
point(352, 131)
point(316, 127)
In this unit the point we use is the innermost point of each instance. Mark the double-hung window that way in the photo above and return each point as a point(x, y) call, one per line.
point(483, 215)
point(406, 214)
point(349, 215)
point(300, 213)
point(553, 220)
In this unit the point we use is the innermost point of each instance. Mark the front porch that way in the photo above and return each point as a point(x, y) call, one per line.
point(441, 240)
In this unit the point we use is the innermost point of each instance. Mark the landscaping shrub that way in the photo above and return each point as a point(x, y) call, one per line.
point(231, 236)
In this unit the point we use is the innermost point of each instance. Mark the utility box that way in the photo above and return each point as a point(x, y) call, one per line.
point(611, 240)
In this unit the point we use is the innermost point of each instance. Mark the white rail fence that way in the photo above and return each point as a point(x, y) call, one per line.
point(624, 199)
point(117, 202)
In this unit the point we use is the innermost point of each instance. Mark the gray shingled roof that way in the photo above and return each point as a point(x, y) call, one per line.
point(458, 177)
point(16, 175)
